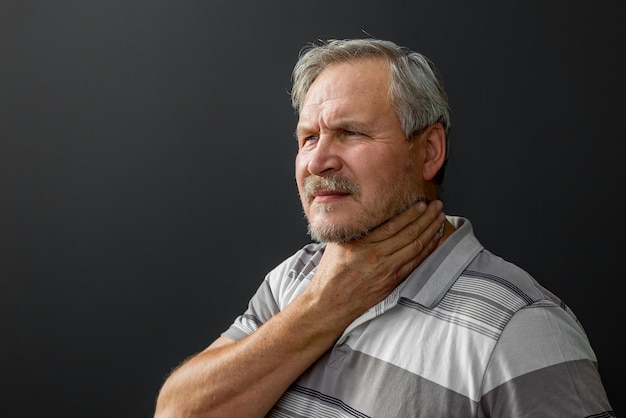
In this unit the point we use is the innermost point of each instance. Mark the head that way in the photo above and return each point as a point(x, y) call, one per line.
point(372, 134)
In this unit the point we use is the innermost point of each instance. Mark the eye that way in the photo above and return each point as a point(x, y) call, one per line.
point(348, 133)
point(308, 139)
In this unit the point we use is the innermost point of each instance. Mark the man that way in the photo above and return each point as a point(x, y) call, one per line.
point(397, 310)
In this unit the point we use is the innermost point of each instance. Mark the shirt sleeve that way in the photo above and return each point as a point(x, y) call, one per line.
point(261, 307)
point(543, 366)
point(280, 286)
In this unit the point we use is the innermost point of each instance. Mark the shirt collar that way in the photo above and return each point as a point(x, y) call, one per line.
point(428, 283)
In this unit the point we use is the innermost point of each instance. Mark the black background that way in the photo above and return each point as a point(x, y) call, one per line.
point(146, 171)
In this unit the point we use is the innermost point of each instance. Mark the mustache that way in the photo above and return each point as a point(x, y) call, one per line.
point(330, 183)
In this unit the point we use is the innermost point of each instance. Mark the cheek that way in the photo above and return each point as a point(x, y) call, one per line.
point(390, 175)
point(300, 171)
point(384, 168)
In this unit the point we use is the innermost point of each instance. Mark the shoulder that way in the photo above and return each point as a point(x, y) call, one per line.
point(301, 263)
point(491, 291)
point(290, 277)
point(500, 280)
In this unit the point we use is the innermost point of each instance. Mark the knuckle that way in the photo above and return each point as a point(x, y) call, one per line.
point(417, 245)
point(388, 228)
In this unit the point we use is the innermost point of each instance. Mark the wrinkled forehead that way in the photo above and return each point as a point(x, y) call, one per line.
point(364, 79)
point(349, 96)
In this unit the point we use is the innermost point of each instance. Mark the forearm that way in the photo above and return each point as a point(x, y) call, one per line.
point(247, 377)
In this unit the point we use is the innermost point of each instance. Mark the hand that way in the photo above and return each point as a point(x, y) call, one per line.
point(352, 277)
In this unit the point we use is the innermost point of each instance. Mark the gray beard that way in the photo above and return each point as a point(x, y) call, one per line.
point(337, 234)
point(332, 233)
point(342, 234)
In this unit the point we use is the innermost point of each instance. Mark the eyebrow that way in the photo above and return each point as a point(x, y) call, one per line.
point(301, 130)
point(355, 126)
point(348, 125)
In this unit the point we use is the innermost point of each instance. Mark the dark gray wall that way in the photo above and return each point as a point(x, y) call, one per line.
point(146, 174)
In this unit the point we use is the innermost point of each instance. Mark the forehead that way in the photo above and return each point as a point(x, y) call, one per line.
point(356, 86)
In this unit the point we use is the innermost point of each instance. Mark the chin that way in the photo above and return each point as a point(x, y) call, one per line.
point(328, 230)
point(336, 235)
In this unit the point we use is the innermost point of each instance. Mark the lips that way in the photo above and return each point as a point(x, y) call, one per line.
point(328, 197)
point(322, 193)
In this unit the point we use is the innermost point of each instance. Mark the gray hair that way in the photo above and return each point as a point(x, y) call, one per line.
point(416, 91)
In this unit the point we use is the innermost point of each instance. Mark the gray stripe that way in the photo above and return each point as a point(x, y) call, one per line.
point(451, 318)
point(378, 388)
point(536, 338)
point(522, 397)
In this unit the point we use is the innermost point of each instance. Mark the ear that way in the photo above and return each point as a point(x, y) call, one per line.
point(435, 144)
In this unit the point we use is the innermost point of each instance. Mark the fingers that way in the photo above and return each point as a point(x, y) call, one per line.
point(423, 245)
point(426, 230)
point(396, 224)
point(417, 225)
point(410, 245)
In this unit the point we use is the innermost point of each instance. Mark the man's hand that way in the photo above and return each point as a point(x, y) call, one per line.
point(355, 276)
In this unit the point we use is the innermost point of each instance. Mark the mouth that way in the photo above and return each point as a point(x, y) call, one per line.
point(327, 196)
point(319, 193)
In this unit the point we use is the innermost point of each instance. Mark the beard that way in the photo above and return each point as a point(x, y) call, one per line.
point(389, 202)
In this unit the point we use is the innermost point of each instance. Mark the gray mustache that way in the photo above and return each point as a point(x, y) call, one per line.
point(330, 183)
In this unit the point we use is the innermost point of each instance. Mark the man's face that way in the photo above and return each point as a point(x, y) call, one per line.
point(354, 167)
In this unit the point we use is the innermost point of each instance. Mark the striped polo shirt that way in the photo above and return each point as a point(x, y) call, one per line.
point(467, 334)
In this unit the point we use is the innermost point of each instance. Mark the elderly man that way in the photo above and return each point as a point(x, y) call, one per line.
point(396, 310)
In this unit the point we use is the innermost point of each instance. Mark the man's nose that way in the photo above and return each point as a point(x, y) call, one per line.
point(325, 157)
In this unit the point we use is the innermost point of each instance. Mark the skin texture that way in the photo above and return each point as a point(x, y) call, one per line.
point(347, 129)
